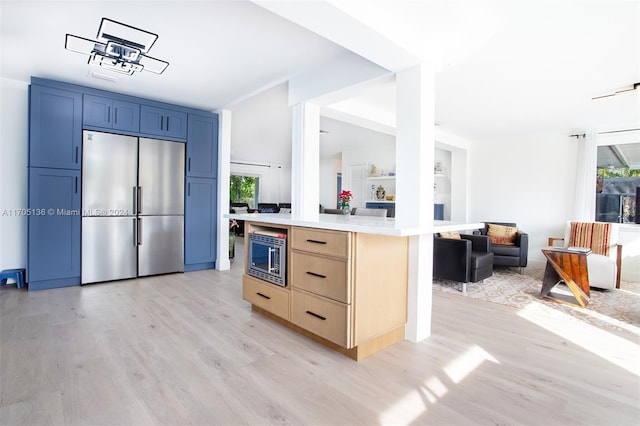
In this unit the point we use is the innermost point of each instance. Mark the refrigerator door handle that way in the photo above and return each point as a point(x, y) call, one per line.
point(139, 199)
point(135, 233)
point(139, 232)
point(135, 200)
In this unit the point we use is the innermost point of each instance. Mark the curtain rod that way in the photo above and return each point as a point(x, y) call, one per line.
point(577, 136)
point(619, 131)
point(254, 164)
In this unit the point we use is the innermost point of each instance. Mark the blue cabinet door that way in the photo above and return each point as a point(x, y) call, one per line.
point(53, 228)
point(162, 122)
point(151, 120)
point(96, 111)
point(200, 223)
point(175, 124)
point(202, 146)
point(108, 113)
point(55, 128)
point(126, 116)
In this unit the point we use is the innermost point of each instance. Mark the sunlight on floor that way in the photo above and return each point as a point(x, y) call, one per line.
point(415, 403)
point(460, 367)
point(596, 340)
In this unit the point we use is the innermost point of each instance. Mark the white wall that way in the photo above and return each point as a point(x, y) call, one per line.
point(381, 152)
point(530, 181)
point(329, 169)
point(13, 166)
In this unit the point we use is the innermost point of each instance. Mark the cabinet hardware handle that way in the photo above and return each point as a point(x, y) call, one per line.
point(135, 200)
point(262, 295)
point(115, 113)
point(316, 242)
point(316, 275)
point(77, 154)
point(313, 314)
point(189, 166)
point(108, 114)
point(161, 122)
point(167, 124)
point(189, 189)
point(76, 184)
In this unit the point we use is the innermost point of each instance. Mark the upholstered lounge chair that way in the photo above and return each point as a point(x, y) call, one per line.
point(361, 211)
point(514, 253)
point(604, 263)
point(468, 259)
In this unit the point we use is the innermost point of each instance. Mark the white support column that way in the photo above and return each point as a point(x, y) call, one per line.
point(305, 168)
point(415, 137)
point(224, 172)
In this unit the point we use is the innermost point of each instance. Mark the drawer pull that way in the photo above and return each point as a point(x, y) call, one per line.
point(316, 275)
point(262, 295)
point(316, 242)
point(313, 314)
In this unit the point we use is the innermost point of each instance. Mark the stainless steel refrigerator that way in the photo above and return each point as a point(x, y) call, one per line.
point(132, 207)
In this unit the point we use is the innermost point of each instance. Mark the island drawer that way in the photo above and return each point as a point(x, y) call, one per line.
point(332, 243)
point(326, 318)
point(320, 275)
point(266, 296)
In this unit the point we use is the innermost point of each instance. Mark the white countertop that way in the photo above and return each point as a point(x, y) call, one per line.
point(351, 223)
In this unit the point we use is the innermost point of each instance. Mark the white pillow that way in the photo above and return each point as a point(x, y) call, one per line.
point(285, 210)
point(240, 210)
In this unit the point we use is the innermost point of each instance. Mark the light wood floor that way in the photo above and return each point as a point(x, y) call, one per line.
point(186, 349)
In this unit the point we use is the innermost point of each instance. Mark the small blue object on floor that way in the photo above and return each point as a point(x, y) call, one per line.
point(16, 274)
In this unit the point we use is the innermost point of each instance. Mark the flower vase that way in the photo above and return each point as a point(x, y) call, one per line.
point(346, 209)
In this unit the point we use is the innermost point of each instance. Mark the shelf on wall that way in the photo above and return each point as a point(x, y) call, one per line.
point(381, 177)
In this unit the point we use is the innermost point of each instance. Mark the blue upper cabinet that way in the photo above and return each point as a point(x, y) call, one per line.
point(110, 113)
point(53, 228)
point(163, 122)
point(202, 146)
point(55, 128)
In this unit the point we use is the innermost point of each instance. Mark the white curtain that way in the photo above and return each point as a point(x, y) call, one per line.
point(585, 195)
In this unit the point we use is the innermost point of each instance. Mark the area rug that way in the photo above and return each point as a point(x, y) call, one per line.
point(618, 308)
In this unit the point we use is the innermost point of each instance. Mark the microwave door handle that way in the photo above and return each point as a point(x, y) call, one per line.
point(269, 267)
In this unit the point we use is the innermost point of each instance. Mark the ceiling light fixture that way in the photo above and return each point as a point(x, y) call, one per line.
point(119, 47)
point(635, 87)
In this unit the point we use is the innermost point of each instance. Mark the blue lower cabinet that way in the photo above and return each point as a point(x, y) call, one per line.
point(53, 226)
point(200, 224)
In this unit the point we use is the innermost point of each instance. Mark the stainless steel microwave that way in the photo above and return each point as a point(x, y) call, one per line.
point(268, 256)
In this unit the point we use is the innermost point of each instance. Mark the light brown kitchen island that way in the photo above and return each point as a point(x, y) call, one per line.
point(344, 289)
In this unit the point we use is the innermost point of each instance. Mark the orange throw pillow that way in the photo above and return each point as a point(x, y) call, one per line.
point(502, 235)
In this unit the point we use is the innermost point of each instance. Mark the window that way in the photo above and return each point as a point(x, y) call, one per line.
point(618, 180)
point(244, 189)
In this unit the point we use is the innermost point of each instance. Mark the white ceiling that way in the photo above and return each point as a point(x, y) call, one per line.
point(218, 51)
point(505, 67)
